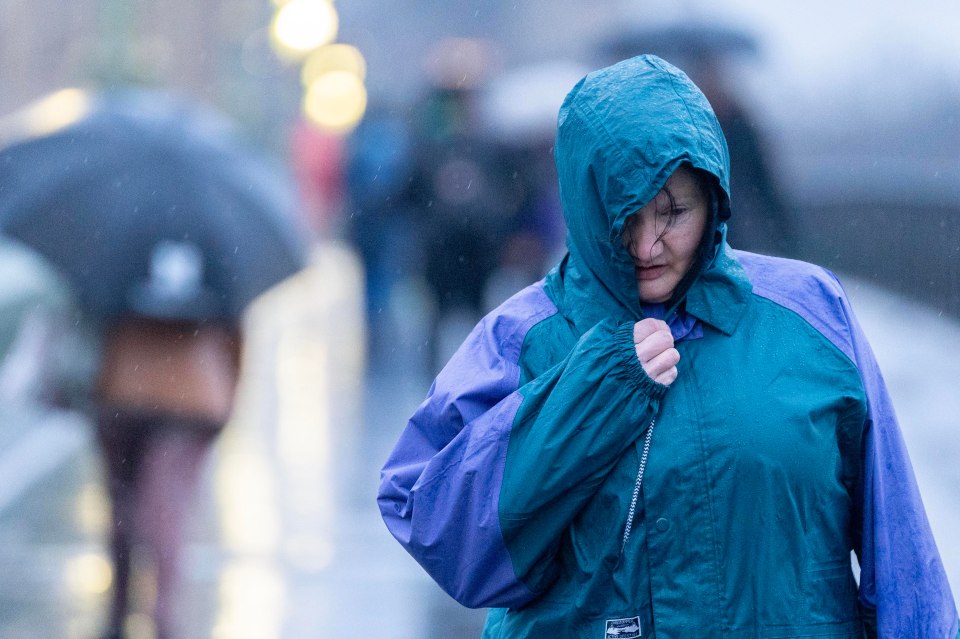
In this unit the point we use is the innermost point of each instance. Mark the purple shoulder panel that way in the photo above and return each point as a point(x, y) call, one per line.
point(439, 491)
point(901, 575)
point(808, 290)
point(487, 363)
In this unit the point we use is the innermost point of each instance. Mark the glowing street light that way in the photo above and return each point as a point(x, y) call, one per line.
point(47, 115)
point(300, 26)
point(335, 101)
point(333, 57)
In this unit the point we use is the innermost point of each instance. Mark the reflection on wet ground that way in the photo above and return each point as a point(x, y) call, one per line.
point(286, 542)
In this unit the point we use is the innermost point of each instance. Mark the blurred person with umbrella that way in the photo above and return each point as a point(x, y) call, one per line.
point(704, 50)
point(167, 229)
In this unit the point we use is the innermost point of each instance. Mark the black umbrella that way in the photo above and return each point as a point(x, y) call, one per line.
point(677, 42)
point(150, 204)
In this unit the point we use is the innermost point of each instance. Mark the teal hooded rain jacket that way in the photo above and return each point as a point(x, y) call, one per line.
point(774, 454)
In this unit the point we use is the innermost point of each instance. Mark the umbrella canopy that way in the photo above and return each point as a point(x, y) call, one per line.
point(149, 204)
point(679, 42)
point(521, 105)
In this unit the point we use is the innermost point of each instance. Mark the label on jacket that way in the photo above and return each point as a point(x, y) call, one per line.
point(623, 628)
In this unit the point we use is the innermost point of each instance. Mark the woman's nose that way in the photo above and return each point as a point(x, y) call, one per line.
point(645, 241)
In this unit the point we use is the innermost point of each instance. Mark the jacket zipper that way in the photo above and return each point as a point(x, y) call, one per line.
point(643, 457)
point(636, 487)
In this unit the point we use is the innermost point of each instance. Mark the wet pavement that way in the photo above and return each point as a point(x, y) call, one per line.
point(286, 541)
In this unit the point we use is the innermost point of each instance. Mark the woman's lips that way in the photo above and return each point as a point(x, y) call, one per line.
point(649, 272)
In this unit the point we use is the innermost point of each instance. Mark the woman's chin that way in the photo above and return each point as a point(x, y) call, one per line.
point(653, 295)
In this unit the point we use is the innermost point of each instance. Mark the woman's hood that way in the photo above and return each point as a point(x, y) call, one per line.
point(622, 131)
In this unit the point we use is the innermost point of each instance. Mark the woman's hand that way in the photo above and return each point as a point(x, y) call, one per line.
point(654, 345)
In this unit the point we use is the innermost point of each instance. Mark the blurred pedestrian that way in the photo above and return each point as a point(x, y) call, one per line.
point(317, 160)
point(763, 222)
point(462, 190)
point(665, 436)
point(466, 198)
point(165, 392)
point(381, 222)
point(166, 228)
point(520, 111)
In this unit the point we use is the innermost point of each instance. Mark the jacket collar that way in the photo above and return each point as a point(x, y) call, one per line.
point(719, 297)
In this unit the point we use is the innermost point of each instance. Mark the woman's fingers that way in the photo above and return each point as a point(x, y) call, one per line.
point(663, 367)
point(654, 346)
point(646, 327)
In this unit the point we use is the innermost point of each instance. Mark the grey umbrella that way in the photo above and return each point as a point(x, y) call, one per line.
point(150, 204)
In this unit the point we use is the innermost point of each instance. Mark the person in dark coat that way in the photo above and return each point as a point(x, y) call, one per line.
point(164, 393)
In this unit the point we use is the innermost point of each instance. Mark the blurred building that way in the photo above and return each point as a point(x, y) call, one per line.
point(214, 50)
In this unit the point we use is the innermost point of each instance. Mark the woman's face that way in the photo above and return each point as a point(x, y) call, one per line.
point(664, 235)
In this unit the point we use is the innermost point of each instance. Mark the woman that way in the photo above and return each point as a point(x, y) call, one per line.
point(165, 392)
point(665, 437)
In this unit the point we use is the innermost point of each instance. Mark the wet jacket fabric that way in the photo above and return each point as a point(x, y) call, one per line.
point(774, 454)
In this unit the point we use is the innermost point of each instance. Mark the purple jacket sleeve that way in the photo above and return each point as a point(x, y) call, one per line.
point(901, 574)
point(902, 579)
point(440, 486)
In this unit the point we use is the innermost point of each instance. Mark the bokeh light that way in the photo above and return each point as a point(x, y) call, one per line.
point(252, 598)
point(300, 26)
point(335, 101)
point(47, 115)
point(87, 574)
point(333, 57)
point(246, 496)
